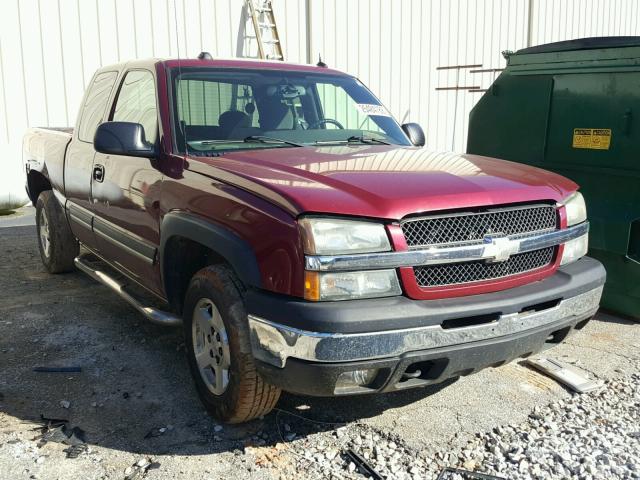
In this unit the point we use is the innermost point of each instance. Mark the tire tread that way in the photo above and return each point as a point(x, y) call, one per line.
point(64, 246)
point(252, 396)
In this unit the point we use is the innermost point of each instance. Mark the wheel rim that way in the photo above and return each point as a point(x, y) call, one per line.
point(211, 346)
point(45, 241)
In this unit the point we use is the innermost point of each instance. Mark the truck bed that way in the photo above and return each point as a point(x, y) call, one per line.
point(47, 146)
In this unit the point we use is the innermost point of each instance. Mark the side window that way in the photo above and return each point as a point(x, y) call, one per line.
point(201, 103)
point(338, 105)
point(137, 102)
point(95, 104)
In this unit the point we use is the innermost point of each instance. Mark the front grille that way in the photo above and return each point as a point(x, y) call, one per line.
point(469, 227)
point(457, 273)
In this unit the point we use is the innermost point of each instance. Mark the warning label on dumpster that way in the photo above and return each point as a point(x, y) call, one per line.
point(594, 138)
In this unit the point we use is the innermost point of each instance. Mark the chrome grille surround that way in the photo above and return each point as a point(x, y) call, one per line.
point(472, 228)
point(439, 254)
point(466, 227)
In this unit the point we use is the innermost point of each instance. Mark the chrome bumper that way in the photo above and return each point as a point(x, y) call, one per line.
point(273, 343)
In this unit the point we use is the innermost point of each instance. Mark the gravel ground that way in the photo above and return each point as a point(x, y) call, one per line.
point(588, 436)
point(136, 403)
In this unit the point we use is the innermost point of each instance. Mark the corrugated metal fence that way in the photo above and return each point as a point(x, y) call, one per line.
point(50, 48)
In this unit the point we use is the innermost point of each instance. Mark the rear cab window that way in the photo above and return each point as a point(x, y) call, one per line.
point(136, 102)
point(202, 102)
point(95, 105)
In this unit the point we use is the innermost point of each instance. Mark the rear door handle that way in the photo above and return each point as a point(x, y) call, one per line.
point(98, 173)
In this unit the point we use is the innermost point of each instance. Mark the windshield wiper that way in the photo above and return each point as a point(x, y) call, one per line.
point(267, 139)
point(363, 139)
point(215, 142)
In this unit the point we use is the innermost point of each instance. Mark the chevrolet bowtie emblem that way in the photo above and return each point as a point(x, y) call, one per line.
point(498, 248)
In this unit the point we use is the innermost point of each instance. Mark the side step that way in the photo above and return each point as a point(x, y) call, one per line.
point(153, 314)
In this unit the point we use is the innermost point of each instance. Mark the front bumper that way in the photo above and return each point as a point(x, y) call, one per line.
point(445, 338)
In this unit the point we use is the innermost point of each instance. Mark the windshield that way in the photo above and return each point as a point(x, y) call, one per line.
point(218, 110)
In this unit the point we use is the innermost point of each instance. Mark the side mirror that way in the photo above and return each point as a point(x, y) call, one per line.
point(123, 138)
point(415, 133)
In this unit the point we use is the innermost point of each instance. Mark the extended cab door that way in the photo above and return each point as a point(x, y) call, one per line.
point(126, 190)
point(78, 162)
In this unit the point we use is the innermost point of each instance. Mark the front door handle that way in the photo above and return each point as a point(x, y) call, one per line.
point(98, 173)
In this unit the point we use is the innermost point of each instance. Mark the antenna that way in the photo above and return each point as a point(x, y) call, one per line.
point(183, 130)
point(320, 63)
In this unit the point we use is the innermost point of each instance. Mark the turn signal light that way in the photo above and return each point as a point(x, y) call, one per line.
point(312, 286)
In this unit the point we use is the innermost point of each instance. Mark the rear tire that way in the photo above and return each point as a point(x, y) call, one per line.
point(219, 350)
point(56, 243)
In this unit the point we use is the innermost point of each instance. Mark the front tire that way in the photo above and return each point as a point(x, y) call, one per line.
point(56, 243)
point(219, 350)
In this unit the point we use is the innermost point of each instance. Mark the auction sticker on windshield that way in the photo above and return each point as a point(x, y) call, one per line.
point(370, 109)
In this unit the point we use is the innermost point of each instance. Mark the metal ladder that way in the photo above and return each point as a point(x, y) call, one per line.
point(266, 31)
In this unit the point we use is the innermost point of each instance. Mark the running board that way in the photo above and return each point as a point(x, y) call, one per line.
point(153, 314)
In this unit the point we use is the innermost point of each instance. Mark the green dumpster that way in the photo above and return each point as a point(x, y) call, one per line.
point(574, 108)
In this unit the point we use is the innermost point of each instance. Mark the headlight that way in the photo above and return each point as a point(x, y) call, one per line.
point(576, 212)
point(326, 236)
point(350, 285)
point(575, 249)
point(575, 208)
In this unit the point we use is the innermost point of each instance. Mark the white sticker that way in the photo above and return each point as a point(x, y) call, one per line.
point(369, 109)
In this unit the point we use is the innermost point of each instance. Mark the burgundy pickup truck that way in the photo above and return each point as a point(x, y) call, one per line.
point(302, 237)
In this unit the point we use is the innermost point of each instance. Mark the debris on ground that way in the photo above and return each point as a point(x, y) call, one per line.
point(57, 430)
point(57, 369)
point(156, 432)
point(362, 465)
point(570, 375)
point(459, 474)
point(74, 451)
point(139, 469)
point(65, 403)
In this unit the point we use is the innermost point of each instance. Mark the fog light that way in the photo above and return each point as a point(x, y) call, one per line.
point(355, 378)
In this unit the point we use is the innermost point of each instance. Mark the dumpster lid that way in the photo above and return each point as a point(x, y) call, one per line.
point(583, 44)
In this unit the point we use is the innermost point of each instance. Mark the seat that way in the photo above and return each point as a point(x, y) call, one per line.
point(233, 120)
point(275, 115)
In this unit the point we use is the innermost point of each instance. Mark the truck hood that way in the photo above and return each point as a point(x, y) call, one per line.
point(380, 181)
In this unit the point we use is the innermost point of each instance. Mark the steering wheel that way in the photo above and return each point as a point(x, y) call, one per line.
point(325, 121)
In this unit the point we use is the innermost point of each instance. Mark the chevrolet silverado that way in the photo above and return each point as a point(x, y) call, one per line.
point(305, 240)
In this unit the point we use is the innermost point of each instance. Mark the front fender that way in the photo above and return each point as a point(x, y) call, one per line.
point(236, 251)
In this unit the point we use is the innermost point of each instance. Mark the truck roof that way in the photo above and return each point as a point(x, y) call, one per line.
point(246, 63)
